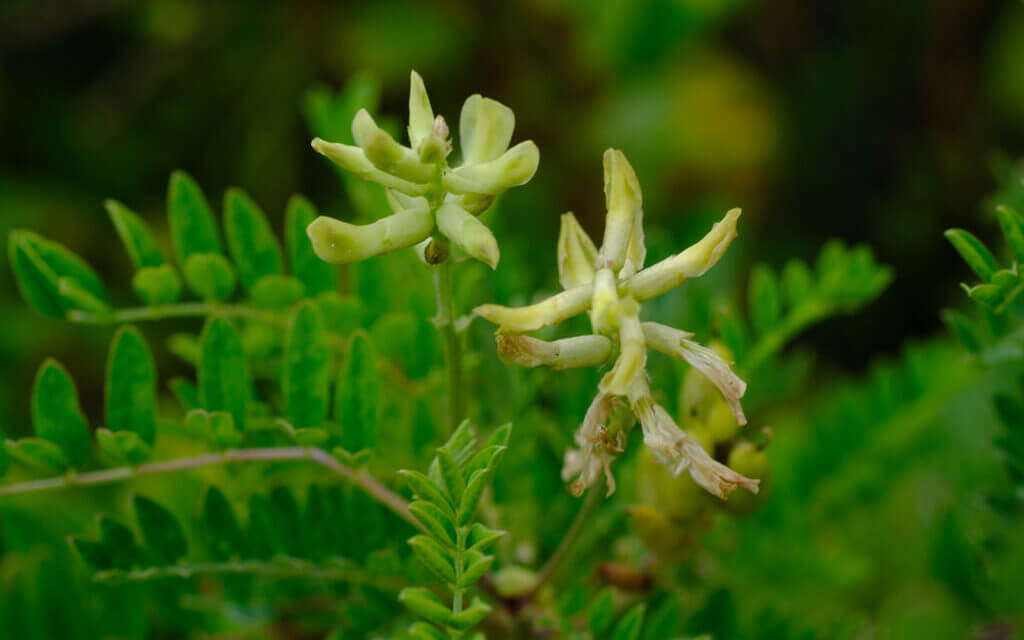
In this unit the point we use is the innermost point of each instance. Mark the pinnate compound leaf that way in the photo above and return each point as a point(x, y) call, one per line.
point(435, 521)
point(425, 604)
point(56, 415)
point(190, 218)
point(629, 625)
point(317, 275)
point(222, 371)
point(210, 276)
point(156, 286)
point(40, 266)
point(357, 395)
point(427, 490)
point(130, 397)
point(250, 239)
point(434, 557)
point(471, 615)
point(162, 534)
point(135, 235)
point(307, 367)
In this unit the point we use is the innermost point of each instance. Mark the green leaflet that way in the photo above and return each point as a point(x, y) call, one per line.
point(974, 252)
point(210, 276)
point(157, 285)
point(185, 393)
point(52, 279)
point(251, 241)
point(1012, 224)
point(343, 314)
point(123, 447)
point(222, 371)
point(763, 299)
point(135, 235)
point(664, 621)
point(307, 367)
point(220, 529)
point(41, 455)
point(118, 543)
point(425, 604)
point(434, 557)
point(190, 218)
point(130, 397)
point(56, 415)
point(276, 291)
point(162, 535)
point(629, 625)
point(287, 520)
point(314, 273)
point(357, 395)
point(601, 611)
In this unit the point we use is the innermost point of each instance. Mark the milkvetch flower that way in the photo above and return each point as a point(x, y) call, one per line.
point(610, 283)
point(428, 198)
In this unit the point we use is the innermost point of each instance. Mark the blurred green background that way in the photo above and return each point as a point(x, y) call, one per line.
point(875, 121)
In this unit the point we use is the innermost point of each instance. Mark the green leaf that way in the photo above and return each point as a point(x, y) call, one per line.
point(156, 286)
point(92, 553)
point(222, 371)
point(118, 543)
point(37, 453)
point(454, 481)
point(471, 615)
point(434, 557)
point(500, 437)
point(56, 415)
point(185, 393)
point(974, 252)
point(477, 565)
point(797, 283)
point(664, 622)
point(209, 276)
point(251, 241)
point(287, 520)
point(221, 531)
point(733, 332)
point(462, 444)
point(190, 218)
point(162, 534)
point(425, 489)
point(135, 234)
point(763, 299)
point(425, 604)
point(307, 367)
point(262, 534)
point(629, 625)
point(315, 274)
point(471, 496)
point(123, 446)
point(601, 611)
point(130, 397)
point(224, 430)
point(435, 521)
point(312, 436)
point(481, 537)
point(423, 631)
point(1012, 224)
point(357, 395)
point(39, 266)
point(964, 328)
point(487, 458)
point(276, 292)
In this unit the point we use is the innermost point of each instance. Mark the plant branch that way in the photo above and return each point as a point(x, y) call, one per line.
point(361, 479)
point(178, 310)
point(335, 570)
point(445, 322)
point(771, 342)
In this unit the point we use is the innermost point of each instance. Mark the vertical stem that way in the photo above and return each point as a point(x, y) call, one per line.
point(445, 321)
point(594, 496)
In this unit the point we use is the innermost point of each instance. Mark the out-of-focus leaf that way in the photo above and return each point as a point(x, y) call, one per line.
point(276, 291)
point(190, 218)
point(221, 531)
point(38, 454)
point(307, 367)
point(317, 275)
point(210, 276)
point(974, 252)
point(251, 241)
point(56, 415)
point(763, 299)
point(157, 285)
point(629, 625)
point(130, 397)
point(52, 279)
point(222, 371)
point(162, 535)
point(357, 395)
point(135, 235)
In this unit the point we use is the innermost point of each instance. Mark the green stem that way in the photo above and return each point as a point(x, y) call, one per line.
point(280, 567)
point(179, 310)
point(594, 496)
point(771, 342)
point(360, 479)
point(445, 322)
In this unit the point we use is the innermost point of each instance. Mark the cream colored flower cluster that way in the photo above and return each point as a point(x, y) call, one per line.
point(610, 284)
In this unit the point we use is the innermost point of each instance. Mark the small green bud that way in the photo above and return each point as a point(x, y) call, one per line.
point(471, 235)
point(340, 242)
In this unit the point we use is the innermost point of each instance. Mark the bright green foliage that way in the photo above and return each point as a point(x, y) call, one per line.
point(210, 276)
point(56, 415)
point(130, 398)
point(222, 370)
point(357, 395)
point(157, 285)
point(314, 273)
point(453, 548)
point(277, 292)
point(250, 239)
point(135, 235)
point(190, 218)
point(123, 447)
point(307, 368)
point(999, 287)
point(52, 279)
point(42, 455)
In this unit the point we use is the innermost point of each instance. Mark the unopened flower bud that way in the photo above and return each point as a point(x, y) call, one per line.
point(471, 235)
point(694, 261)
point(576, 253)
point(623, 200)
point(581, 351)
point(353, 159)
point(555, 309)
point(485, 129)
point(513, 168)
point(340, 242)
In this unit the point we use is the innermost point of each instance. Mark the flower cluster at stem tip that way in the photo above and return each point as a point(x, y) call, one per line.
point(432, 204)
point(610, 284)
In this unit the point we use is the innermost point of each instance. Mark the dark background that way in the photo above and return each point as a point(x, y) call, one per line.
point(875, 121)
